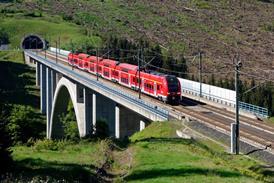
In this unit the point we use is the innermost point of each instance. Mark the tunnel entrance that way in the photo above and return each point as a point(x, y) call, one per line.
point(33, 42)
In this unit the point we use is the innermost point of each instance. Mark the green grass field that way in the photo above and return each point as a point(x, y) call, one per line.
point(72, 162)
point(17, 28)
point(157, 156)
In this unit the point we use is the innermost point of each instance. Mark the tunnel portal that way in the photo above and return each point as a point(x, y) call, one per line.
point(33, 42)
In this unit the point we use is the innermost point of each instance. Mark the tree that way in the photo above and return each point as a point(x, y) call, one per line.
point(22, 125)
point(69, 124)
point(5, 141)
point(212, 79)
point(4, 37)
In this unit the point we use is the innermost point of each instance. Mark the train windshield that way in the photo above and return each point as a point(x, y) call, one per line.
point(173, 83)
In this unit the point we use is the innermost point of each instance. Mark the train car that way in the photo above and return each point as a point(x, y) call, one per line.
point(72, 59)
point(164, 87)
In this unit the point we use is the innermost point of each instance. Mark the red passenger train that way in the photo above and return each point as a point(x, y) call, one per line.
point(164, 87)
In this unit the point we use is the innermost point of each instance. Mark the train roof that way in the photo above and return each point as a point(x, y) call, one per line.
point(128, 66)
point(83, 55)
point(110, 62)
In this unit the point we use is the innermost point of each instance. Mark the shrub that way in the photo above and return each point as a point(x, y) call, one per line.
point(22, 125)
point(4, 37)
point(269, 27)
point(52, 145)
point(69, 124)
point(5, 141)
point(101, 129)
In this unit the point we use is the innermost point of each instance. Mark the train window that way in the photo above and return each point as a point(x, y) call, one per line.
point(106, 73)
point(173, 83)
point(75, 60)
point(158, 87)
point(99, 68)
point(135, 80)
point(148, 86)
point(124, 70)
point(86, 64)
point(124, 80)
point(106, 65)
point(92, 68)
point(115, 73)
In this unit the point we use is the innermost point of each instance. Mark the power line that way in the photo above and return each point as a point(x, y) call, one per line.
point(254, 76)
point(204, 73)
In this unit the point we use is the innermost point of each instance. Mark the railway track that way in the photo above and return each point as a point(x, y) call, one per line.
point(253, 132)
point(269, 128)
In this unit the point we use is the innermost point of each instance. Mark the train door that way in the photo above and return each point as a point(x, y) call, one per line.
point(106, 73)
point(86, 64)
point(124, 79)
point(80, 61)
point(115, 75)
point(92, 67)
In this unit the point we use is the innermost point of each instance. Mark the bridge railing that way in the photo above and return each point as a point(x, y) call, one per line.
point(222, 96)
point(256, 110)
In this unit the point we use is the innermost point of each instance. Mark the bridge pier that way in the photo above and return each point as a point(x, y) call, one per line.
point(38, 73)
point(142, 125)
point(49, 97)
point(94, 112)
point(130, 122)
point(53, 82)
point(88, 111)
point(43, 103)
point(117, 122)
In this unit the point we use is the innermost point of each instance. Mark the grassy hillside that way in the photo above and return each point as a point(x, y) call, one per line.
point(160, 157)
point(154, 156)
point(220, 28)
point(51, 28)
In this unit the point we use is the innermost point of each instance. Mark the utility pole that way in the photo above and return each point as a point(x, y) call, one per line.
point(97, 64)
point(108, 50)
point(45, 53)
point(139, 75)
point(238, 65)
point(56, 54)
point(200, 72)
point(59, 41)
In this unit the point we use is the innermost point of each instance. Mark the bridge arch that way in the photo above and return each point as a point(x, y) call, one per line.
point(65, 90)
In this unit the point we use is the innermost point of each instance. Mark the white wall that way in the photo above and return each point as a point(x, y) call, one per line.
point(220, 95)
point(62, 52)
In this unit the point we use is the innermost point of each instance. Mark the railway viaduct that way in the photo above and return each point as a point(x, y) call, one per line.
point(92, 100)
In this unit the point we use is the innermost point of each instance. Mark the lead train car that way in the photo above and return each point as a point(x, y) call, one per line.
point(164, 87)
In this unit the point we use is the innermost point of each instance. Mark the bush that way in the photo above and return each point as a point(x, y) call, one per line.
point(101, 130)
point(269, 27)
point(69, 124)
point(4, 37)
point(5, 141)
point(52, 145)
point(22, 125)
